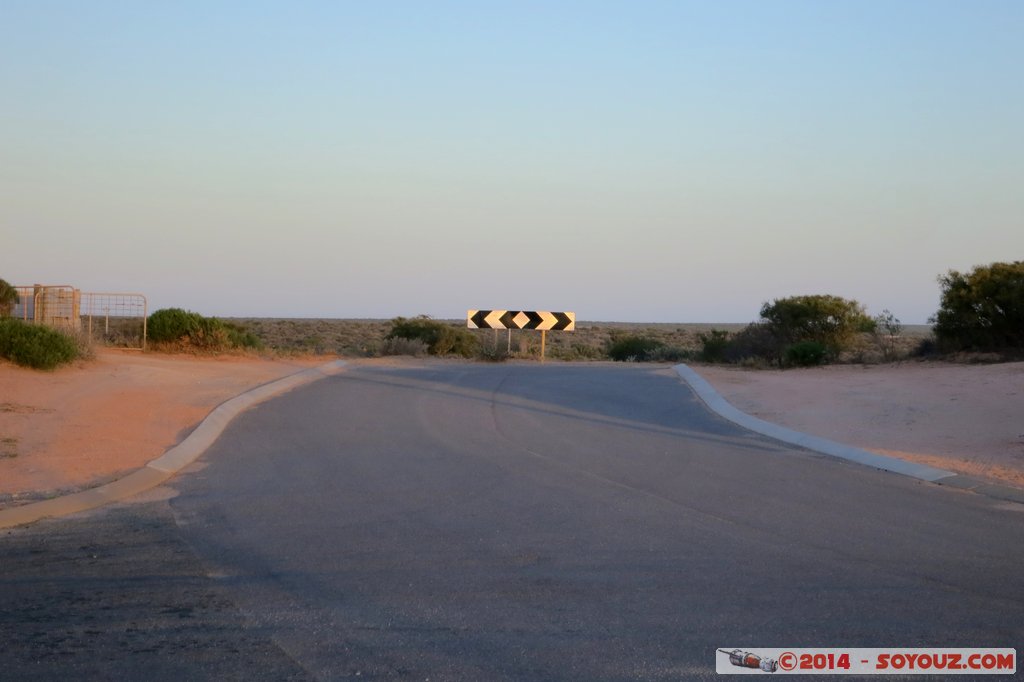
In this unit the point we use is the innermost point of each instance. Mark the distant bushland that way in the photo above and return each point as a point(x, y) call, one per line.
point(740, 343)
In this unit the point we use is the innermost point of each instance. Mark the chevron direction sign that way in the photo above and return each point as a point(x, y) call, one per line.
point(521, 319)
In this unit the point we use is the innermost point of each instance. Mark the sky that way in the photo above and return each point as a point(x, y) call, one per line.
point(627, 161)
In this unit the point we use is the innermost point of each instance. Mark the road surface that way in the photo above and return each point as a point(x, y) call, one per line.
point(453, 521)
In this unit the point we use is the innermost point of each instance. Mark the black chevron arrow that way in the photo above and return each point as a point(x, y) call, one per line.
point(508, 319)
point(563, 321)
point(478, 319)
point(534, 321)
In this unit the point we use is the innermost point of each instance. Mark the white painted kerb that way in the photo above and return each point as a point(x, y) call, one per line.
point(720, 405)
point(172, 461)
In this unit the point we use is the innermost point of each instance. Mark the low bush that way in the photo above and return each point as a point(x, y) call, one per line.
point(574, 352)
point(631, 348)
point(713, 345)
point(441, 338)
point(240, 337)
point(169, 325)
point(34, 345)
point(926, 348)
point(754, 343)
point(493, 352)
point(670, 353)
point(402, 346)
point(177, 327)
point(581, 351)
point(8, 298)
point(806, 354)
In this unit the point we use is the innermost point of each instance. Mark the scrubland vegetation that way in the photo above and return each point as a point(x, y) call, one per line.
point(981, 318)
point(623, 341)
point(177, 329)
point(32, 345)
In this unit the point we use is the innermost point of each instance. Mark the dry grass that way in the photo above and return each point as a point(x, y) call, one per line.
point(366, 338)
point(351, 338)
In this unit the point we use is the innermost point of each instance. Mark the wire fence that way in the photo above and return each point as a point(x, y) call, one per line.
point(116, 319)
point(111, 319)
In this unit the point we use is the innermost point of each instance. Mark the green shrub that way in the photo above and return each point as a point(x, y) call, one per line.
point(754, 343)
point(830, 320)
point(576, 351)
point(491, 352)
point(402, 346)
point(177, 326)
point(982, 310)
point(926, 348)
point(441, 338)
point(240, 337)
point(34, 345)
point(632, 348)
point(8, 298)
point(669, 353)
point(713, 345)
point(172, 324)
point(581, 351)
point(806, 353)
point(209, 334)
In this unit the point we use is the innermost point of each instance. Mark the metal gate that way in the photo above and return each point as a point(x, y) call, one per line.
point(112, 319)
point(115, 319)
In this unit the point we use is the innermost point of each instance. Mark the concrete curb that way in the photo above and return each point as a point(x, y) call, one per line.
point(172, 461)
point(716, 403)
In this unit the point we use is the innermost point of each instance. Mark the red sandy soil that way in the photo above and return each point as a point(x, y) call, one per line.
point(963, 418)
point(94, 421)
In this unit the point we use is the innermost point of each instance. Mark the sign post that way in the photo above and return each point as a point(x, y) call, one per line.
point(522, 319)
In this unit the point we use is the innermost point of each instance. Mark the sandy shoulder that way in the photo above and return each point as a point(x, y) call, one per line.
point(964, 418)
point(92, 422)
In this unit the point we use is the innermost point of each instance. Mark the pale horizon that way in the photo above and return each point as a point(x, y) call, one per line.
point(654, 162)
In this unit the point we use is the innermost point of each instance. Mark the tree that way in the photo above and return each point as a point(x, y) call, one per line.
point(8, 298)
point(982, 310)
point(888, 329)
point(828, 320)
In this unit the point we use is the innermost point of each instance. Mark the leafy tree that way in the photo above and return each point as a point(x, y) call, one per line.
point(828, 320)
point(982, 310)
point(8, 298)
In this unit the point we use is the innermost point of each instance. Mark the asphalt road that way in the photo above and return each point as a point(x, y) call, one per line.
point(452, 521)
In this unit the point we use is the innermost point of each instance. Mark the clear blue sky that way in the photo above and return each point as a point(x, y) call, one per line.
point(635, 161)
